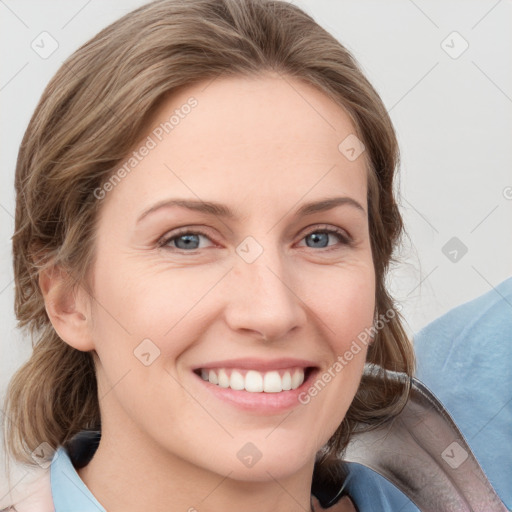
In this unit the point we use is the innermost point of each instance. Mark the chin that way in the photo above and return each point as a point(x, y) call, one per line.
point(271, 471)
point(268, 462)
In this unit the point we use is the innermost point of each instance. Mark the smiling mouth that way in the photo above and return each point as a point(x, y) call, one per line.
point(253, 381)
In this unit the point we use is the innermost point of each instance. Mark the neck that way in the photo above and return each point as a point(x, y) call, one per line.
point(131, 473)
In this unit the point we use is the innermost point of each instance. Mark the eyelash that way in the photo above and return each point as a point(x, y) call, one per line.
point(164, 241)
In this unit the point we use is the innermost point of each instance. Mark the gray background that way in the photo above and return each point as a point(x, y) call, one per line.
point(453, 115)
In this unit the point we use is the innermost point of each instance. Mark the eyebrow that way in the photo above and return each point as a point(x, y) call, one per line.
point(221, 210)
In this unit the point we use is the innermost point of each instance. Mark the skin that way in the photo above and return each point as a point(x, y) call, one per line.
point(262, 146)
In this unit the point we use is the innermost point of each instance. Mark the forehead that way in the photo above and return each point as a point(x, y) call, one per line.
point(246, 139)
point(277, 111)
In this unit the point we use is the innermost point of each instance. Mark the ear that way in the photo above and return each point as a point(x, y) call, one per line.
point(67, 307)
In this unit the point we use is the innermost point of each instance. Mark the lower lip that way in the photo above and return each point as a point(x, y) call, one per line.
point(261, 403)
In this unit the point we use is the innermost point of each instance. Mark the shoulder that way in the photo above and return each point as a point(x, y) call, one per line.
point(476, 334)
point(488, 313)
point(30, 494)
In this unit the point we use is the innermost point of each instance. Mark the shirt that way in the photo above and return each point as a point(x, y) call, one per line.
point(69, 492)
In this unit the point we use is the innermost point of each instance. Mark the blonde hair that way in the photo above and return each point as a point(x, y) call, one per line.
point(91, 114)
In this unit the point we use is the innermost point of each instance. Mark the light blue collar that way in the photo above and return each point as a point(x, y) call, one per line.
point(68, 490)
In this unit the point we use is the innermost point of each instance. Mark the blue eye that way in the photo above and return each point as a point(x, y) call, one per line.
point(189, 241)
point(320, 238)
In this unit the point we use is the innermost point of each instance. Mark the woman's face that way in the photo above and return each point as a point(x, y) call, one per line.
point(214, 262)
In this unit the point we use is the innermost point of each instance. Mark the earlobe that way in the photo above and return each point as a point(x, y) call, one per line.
point(67, 308)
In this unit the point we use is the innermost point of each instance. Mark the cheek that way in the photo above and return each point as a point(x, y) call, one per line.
point(344, 300)
point(146, 318)
point(353, 316)
point(148, 300)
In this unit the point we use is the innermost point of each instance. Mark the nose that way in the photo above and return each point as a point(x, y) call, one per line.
point(262, 300)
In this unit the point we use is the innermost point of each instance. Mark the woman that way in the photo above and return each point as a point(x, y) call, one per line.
point(204, 221)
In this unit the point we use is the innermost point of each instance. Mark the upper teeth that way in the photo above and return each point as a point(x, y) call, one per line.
point(254, 381)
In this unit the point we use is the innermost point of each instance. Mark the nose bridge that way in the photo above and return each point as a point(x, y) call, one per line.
point(263, 297)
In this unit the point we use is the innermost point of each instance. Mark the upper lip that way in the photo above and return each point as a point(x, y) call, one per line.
point(259, 364)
